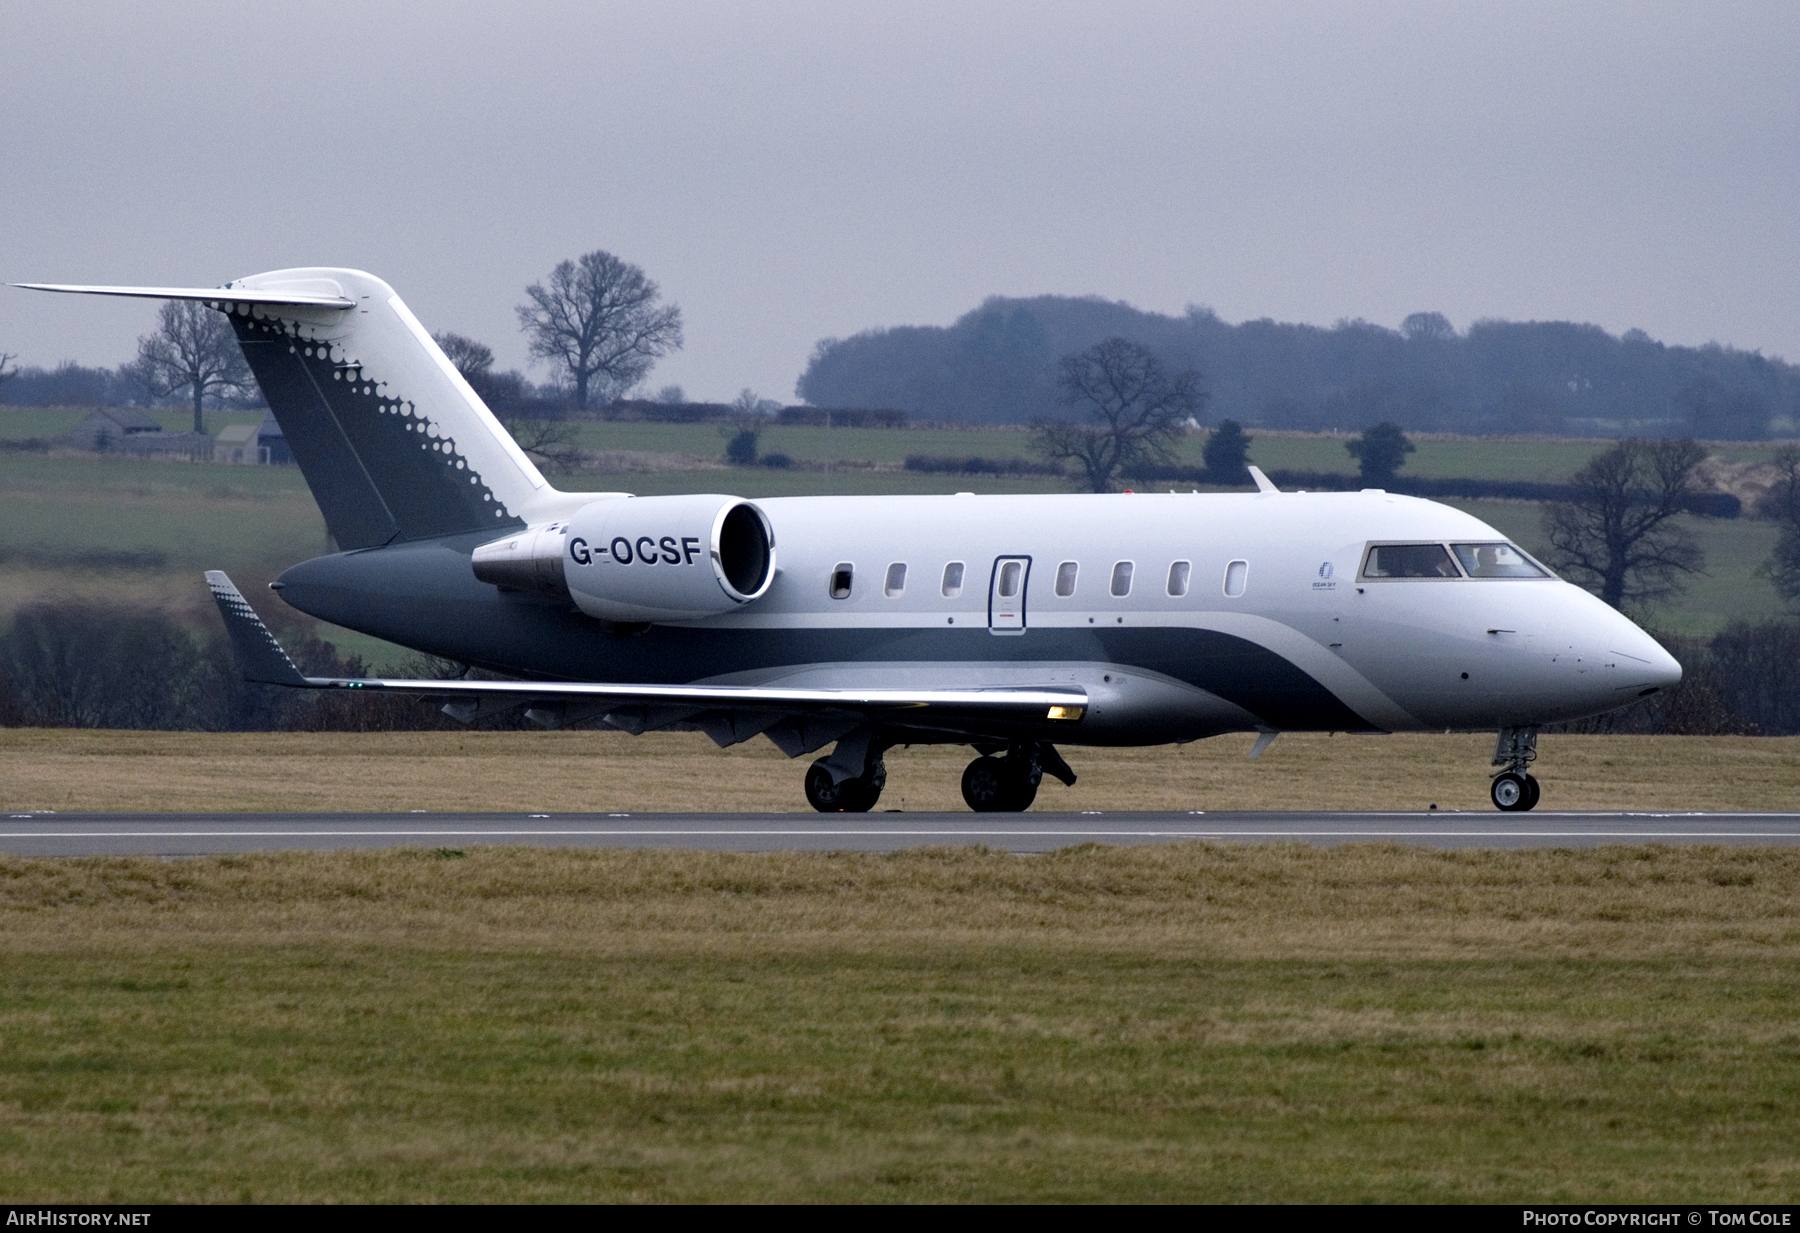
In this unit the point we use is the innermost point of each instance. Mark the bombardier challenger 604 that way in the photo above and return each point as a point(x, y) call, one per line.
point(1010, 624)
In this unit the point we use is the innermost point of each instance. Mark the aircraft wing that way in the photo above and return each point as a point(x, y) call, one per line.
point(725, 708)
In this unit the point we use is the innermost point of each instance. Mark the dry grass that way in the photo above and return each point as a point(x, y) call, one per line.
point(1194, 1022)
point(1200, 1022)
point(608, 771)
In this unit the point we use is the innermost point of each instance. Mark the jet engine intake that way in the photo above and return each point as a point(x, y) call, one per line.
point(667, 558)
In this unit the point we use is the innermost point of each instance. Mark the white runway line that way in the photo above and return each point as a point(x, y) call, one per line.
point(1015, 834)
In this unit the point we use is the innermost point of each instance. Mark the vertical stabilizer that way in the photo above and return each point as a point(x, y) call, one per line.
point(393, 442)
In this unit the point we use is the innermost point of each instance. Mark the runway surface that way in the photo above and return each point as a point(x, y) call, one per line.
point(192, 834)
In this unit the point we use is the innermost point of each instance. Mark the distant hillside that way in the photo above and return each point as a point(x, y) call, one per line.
point(997, 365)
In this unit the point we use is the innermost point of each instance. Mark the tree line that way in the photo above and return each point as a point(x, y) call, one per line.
point(1000, 364)
point(1615, 528)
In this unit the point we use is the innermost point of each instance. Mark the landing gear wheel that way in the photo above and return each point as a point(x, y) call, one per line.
point(1023, 795)
point(849, 796)
point(1513, 792)
point(990, 785)
point(984, 786)
point(1536, 791)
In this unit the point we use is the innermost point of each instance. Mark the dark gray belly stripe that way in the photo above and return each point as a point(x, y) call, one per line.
point(424, 596)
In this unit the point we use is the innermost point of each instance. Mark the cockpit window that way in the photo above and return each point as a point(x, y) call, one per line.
point(1496, 561)
point(1409, 561)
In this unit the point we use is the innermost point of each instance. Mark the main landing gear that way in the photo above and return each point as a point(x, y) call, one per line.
point(1010, 784)
point(851, 779)
point(1514, 789)
point(857, 795)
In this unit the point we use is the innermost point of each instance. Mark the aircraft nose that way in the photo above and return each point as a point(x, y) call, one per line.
point(1643, 655)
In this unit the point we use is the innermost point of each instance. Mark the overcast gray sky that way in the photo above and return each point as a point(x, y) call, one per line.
point(797, 170)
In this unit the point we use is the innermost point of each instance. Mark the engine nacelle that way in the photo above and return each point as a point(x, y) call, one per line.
point(528, 560)
point(642, 558)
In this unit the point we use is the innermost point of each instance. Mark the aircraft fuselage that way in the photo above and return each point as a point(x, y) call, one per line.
point(1183, 615)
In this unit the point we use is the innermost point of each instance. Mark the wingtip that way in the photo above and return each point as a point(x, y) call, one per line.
point(1263, 482)
point(260, 654)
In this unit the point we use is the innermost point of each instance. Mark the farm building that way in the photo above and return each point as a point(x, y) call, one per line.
point(129, 430)
point(274, 445)
point(109, 427)
point(237, 445)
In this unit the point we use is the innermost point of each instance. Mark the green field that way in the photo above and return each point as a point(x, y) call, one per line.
point(85, 525)
point(1537, 459)
point(1189, 1023)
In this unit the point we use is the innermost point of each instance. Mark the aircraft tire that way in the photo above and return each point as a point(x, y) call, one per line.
point(850, 796)
point(1511, 792)
point(1023, 795)
point(1536, 789)
point(988, 786)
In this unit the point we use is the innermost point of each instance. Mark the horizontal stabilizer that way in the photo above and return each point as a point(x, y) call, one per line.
point(264, 661)
point(208, 295)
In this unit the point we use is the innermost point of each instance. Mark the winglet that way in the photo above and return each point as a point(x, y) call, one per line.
point(259, 655)
point(1263, 483)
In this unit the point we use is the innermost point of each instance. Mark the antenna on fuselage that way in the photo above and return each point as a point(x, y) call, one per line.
point(1263, 482)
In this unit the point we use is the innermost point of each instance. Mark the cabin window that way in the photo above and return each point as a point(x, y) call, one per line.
point(1010, 573)
point(1409, 561)
point(895, 583)
point(1496, 561)
point(1065, 579)
point(1178, 578)
point(1121, 579)
point(953, 576)
point(841, 578)
point(1237, 575)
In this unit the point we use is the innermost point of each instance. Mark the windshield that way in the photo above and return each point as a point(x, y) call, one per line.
point(1496, 561)
point(1409, 561)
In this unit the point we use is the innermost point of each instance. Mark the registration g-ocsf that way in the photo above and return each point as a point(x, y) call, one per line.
point(644, 550)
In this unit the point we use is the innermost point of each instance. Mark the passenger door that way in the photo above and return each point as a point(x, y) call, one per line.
point(1006, 595)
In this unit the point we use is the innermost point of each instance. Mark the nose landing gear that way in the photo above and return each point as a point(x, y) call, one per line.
point(1514, 789)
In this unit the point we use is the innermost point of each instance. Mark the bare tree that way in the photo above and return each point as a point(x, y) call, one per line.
point(750, 414)
point(1618, 536)
point(552, 442)
point(1135, 411)
point(193, 349)
point(471, 359)
point(600, 320)
point(6, 374)
point(1782, 503)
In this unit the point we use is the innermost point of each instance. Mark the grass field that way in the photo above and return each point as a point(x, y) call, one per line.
point(540, 772)
point(1192, 1023)
point(1173, 1023)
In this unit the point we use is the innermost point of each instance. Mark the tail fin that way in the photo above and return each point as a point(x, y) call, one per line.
point(392, 441)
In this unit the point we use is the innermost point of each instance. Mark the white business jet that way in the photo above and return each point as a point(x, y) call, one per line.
point(1011, 624)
